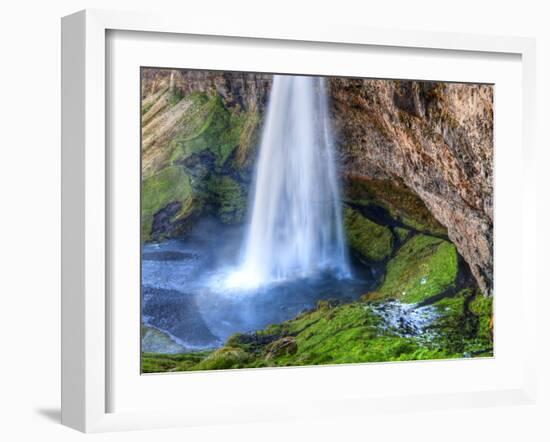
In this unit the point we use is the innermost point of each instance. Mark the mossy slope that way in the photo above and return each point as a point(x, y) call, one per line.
point(466, 323)
point(350, 333)
point(423, 267)
point(369, 240)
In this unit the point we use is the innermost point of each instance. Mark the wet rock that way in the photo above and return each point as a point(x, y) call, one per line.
point(163, 224)
point(407, 320)
point(178, 314)
point(155, 341)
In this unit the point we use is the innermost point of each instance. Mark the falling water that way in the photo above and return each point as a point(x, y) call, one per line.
point(295, 220)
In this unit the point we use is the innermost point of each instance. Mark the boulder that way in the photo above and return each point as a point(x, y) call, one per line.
point(281, 347)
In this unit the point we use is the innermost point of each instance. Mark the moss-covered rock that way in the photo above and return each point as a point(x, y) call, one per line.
point(402, 233)
point(209, 125)
point(195, 152)
point(281, 347)
point(229, 198)
point(214, 134)
point(368, 239)
point(248, 140)
point(423, 267)
point(153, 340)
point(170, 185)
point(388, 199)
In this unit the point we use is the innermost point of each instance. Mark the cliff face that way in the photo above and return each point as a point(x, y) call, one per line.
point(417, 156)
point(434, 138)
point(199, 137)
point(173, 105)
point(238, 89)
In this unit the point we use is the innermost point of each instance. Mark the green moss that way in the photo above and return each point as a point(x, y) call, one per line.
point(454, 326)
point(368, 239)
point(215, 134)
point(158, 363)
point(193, 127)
point(146, 107)
point(402, 233)
point(281, 347)
point(348, 333)
point(423, 267)
point(224, 358)
point(157, 191)
point(334, 336)
point(229, 197)
point(175, 97)
point(208, 125)
point(248, 139)
point(482, 307)
point(343, 334)
point(202, 151)
point(465, 324)
point(401, 203)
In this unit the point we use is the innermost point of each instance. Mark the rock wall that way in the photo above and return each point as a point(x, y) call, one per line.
point(434, 138)
point(241, 90)
point(199, 137)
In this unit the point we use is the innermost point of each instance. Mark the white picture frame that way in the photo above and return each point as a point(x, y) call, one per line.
point(86, 206)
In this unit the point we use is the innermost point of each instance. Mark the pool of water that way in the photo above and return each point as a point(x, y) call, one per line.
point(184, 294)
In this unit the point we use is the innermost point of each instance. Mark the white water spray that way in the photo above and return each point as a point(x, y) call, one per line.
point(295, 220)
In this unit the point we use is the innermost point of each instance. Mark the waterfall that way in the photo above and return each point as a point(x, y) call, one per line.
point(295, 219)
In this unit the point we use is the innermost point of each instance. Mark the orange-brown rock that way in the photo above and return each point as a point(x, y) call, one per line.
point(434, 138)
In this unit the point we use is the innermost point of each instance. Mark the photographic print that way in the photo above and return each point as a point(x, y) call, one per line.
point(295, 220)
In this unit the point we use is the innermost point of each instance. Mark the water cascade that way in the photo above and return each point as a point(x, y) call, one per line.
point(295, 220)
